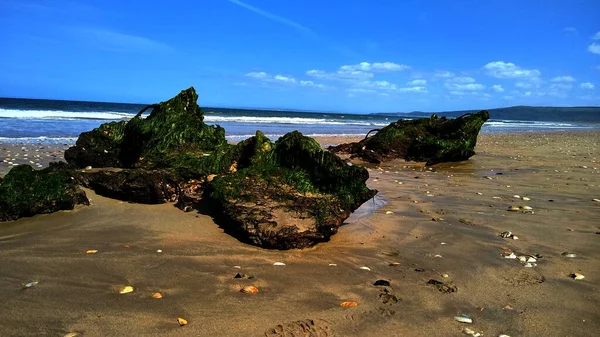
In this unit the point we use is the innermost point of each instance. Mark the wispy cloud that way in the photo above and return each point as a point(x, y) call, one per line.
point(501, 69)
point(117, 41)
point(273, 17)
point(570, 30)
point(281, 79)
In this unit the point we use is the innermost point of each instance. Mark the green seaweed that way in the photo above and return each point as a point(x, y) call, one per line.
point(432, 140)
point(26, 192)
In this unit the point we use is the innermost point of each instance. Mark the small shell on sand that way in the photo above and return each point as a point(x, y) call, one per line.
point(596, 200)
point(72, 334)
point(348, 304)
point(91, 251)
point(393, 264)
point(470, 332)
point(333, 265)
point(157, 295)
point(30, 284)
point(514, 208)
point(516, 196)
point(479, 193)
point(249, 290)
point(523, 258)
point(463, 318)
point(365, 268)
point(159, 251)
point(526, 198)
point(389, 212)
point(510, 256)
point(577, 276)
point(279, 264)
point(527, 208)
point(531, 259)
point(126, 290)
point(182, 321)
point(567, 254)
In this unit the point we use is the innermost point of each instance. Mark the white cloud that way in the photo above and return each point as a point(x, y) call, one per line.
point(570, 30)
point(561, 86)
point(464, 87)
point(413, 89)
point(443, 74)
point(523, 85)
point(501, 69)
point(361, 90)
point(563, 79)
point(587, 85)
point(340, 74)
point(497, 88)
point(264, 77)
point(462, 80)
point(594, 48)
point(596, 36)
point(258, 74)
point(417, 82)
point(284, 79)
point(378, 67)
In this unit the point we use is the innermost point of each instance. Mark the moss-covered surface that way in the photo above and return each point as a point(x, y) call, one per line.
point(431, 140)
point(287, 194)
point(293, 195)
point(26, 192)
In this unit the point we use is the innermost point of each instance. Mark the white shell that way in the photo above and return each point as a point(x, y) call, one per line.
point(510, 256)
point(279, 264)
point(365, 268)
point(463, 319)
point(523, 258)
point(527, 208)
point(333, 265)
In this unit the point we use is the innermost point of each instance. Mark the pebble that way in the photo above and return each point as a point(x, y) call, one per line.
point(577, 276)
point(382, 283)
point(30, 284)
point(463, 318)
point(470, 332)
point(445, 275)
point(126, 290)
point(279, 264)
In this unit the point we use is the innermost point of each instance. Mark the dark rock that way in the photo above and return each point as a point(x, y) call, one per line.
point(26, 192)
point(431, 140)
point(133, 185)
point(238, 275)
point(419, 269)
point(100, 147)
point(292, 195)
point(282, 195)
point(382, 283)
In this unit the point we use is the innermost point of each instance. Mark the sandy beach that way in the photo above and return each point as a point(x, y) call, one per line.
point(433, 233)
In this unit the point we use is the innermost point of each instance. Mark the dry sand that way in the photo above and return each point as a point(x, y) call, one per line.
point(195, 271)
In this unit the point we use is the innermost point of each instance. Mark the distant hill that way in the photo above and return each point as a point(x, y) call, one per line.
point(525, 113)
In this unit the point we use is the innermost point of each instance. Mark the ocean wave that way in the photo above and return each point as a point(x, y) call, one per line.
point(58, 114)
point(287, 120)
point(531, 124)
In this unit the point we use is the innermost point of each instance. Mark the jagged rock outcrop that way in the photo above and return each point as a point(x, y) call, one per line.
point(293, 196)
point(432, 140)
point(26, 192)
point(282, 195)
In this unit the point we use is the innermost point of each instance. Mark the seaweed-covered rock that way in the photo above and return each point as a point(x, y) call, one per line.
point(26, 192)
point(100, 147)
point(173, 135)
point(133, 185)
point(294, 195)
point(432, 140)
point(287, 194)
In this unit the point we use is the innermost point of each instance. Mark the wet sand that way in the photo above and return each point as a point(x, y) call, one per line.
point(451, 230)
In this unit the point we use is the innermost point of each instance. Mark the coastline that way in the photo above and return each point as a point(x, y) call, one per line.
point(453, 210)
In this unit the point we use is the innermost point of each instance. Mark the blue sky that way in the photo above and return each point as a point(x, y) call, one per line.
point(347, 56)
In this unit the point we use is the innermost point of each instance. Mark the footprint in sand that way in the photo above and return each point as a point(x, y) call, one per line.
point(305, 328)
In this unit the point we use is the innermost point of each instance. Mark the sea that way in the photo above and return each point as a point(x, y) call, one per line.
point(59, 121)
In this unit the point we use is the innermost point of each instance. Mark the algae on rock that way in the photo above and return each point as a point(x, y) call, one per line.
point(431, 140)
point(26, 192)
point(294, 195)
